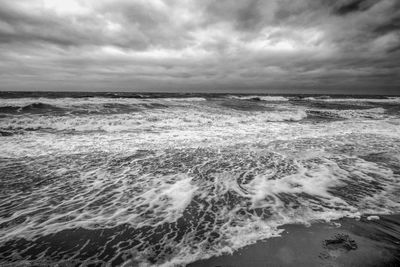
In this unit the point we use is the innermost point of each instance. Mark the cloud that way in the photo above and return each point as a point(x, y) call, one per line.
point(353, 6)
point(200, 45)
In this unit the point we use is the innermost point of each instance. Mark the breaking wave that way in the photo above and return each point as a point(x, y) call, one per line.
point(76, 107)
point(36, 107)
point(149, 116)
point(261, 98)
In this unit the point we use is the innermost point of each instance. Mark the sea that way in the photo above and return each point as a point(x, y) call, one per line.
point(157, 179)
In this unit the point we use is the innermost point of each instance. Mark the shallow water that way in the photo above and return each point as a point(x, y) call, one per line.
point(166, 180)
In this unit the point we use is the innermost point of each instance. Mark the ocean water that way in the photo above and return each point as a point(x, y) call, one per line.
point(168, 179)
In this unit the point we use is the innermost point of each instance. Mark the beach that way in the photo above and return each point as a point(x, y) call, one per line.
point(346, 242)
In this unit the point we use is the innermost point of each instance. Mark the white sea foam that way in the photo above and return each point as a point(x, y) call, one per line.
point(168, 199)
point(274, 98)
point(293, 191)
point(130, 134)
point(147, 201)
point(141, 192)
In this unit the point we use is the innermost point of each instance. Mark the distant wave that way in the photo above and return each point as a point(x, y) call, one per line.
point(77, 106)
point(89, 105)
point(315, 98)
point(262, 98)
point(36, 107)
point(335, 114)
point(372, 100)
point(185, 99)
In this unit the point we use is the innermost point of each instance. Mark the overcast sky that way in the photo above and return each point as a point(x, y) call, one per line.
point(271, 46)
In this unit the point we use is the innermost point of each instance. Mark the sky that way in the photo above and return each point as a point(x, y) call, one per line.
point(244, 46)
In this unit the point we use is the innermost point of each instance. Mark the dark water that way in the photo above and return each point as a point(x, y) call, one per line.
point(161, 179)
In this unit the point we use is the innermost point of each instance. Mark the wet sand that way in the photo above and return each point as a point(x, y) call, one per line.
point(352, 243)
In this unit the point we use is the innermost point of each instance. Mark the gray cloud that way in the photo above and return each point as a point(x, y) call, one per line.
point(353, 6)
point(277, 45)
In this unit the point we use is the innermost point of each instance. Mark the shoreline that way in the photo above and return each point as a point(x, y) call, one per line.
point(345, 242)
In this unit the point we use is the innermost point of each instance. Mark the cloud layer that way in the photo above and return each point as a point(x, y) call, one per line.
point(348, 46)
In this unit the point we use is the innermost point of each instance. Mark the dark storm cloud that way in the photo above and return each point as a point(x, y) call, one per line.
point(178, 45)
point(45, 26)
point(353, 6)
point(23, 26)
